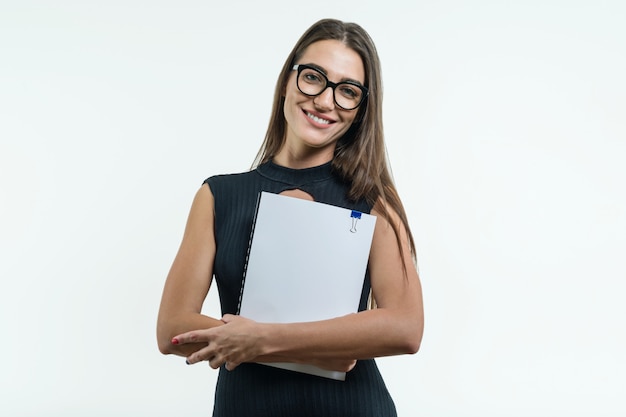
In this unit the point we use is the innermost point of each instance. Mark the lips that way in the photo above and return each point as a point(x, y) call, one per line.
point(318, 119)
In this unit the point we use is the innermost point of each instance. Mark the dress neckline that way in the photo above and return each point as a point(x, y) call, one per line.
point(295, 176)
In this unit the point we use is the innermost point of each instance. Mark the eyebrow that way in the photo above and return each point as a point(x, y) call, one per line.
point(323, 71)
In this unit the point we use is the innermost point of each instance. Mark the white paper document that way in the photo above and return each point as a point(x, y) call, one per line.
point(306, 262)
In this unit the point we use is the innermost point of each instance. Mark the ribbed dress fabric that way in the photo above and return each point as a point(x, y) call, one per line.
point(254, 390)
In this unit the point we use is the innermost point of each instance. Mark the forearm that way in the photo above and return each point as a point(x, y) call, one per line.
point(331, 344)
point(169, 327)
point(368, 334)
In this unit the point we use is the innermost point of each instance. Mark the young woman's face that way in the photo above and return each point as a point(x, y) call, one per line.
point(314, 124)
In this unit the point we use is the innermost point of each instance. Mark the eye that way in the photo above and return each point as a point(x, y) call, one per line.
point(312, 77)
point(349, 91)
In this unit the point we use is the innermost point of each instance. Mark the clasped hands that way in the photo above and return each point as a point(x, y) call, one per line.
point(239, 340)
point(233, 343)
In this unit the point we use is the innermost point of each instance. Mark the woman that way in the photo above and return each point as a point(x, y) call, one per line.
point(324, 143)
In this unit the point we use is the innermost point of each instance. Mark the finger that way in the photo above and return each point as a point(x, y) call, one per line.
point(189, 337)
point(215, 362)
point(230, 366)
point(193, 359)
point(200, 355)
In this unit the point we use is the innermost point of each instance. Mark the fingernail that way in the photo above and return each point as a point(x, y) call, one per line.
point(187, 361)
point(175, 341)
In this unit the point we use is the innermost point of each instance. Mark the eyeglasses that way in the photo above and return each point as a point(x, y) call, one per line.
point(312, 82)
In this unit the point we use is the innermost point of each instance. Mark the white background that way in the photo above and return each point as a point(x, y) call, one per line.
point(506, 131)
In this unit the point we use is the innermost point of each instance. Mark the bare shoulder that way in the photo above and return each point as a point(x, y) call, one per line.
point(203, 198)
point(202, 209)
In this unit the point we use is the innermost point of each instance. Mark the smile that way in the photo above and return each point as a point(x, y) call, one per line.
point(317, 119)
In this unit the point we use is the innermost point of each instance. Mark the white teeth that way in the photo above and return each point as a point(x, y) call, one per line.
point(317, 119)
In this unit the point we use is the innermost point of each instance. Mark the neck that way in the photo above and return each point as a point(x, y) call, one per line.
point(304, 158)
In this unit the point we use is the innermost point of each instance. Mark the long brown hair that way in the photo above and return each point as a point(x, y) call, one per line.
point(360, 155)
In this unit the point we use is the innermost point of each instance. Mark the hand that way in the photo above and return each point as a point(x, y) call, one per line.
point(235, 342)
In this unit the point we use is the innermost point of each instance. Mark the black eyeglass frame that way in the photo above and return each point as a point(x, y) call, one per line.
point(332, 85)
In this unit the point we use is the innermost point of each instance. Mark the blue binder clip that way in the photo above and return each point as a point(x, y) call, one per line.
point(355, 215)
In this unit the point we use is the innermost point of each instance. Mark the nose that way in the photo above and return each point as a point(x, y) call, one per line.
point(325, 100)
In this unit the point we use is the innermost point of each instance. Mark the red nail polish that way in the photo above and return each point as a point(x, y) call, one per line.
point(175, 341)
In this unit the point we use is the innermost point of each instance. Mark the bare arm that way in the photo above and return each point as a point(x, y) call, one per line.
point(189, 279)
point(395, 327)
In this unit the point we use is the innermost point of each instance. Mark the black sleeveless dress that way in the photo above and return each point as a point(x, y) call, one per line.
point(254, 390)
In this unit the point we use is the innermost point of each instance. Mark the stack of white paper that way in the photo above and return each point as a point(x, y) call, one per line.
point(306, 262)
